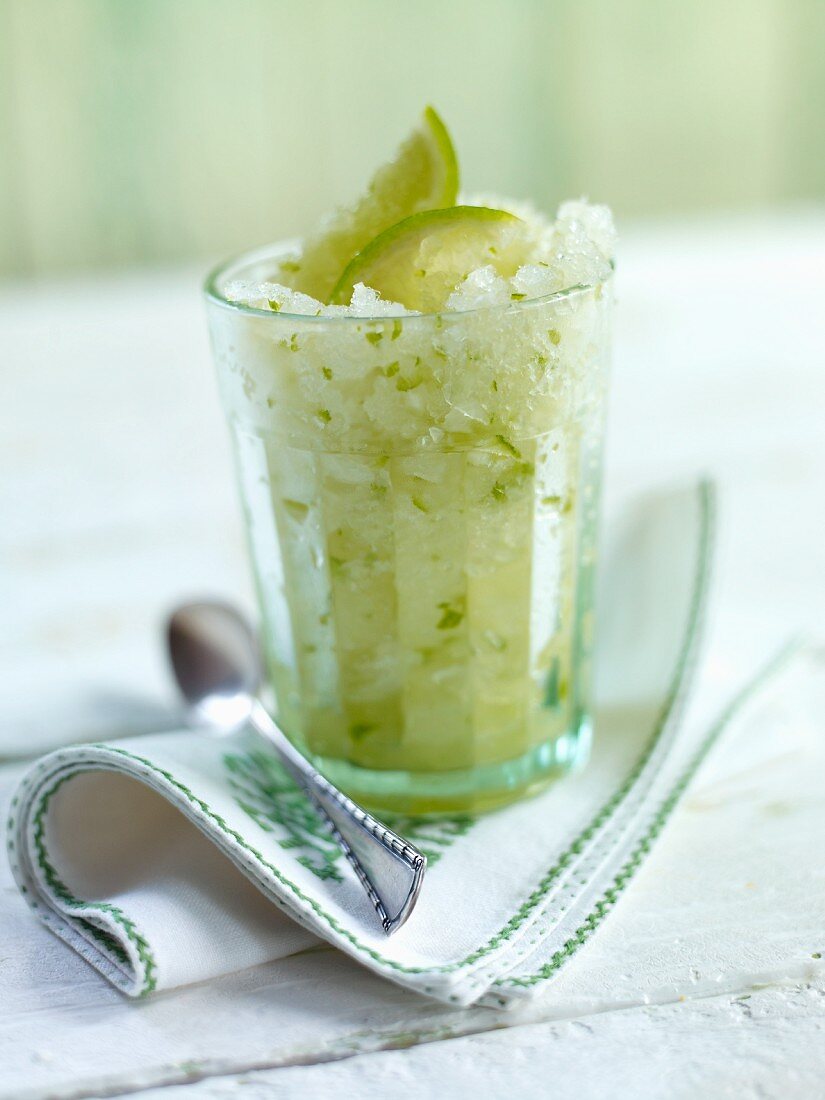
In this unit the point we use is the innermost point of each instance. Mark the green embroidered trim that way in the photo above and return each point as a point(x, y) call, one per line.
point(611, 895)
point(263, 790)
point(62, 892)
point(683, 666)
point(267, 793)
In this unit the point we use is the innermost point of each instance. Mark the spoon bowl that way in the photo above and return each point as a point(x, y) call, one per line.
point(216, 661)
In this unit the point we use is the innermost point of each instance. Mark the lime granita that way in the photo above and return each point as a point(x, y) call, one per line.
point(416, 396)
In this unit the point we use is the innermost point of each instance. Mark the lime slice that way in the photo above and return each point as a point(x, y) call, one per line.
point(422, 176)
point(421, 261)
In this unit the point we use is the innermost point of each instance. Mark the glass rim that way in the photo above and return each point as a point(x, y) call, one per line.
point(211, 291)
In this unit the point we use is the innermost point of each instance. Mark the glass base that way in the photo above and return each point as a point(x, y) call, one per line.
point(465, 791)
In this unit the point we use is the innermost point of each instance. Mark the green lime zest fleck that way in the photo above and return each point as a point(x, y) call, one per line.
point(554, 335)
point(505, 442)
point(555, 501)
point(296, 508)
point(551, 686)
point(270, 402)
point(451, 615)
point(273, 305)
point(327, 373)
point(512, 477)
point(325, 415)
point(358, 730)
point(397, 329)
point(419, 504)
point(517, 297)
point(816, 955)
point(555, 689)
point(378, 488)
point(291, 266)
point(494, 386)
point(391, 369)
point(406, 384)
point(374, 338)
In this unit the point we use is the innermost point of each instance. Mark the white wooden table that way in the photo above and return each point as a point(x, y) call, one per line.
point(116, 501)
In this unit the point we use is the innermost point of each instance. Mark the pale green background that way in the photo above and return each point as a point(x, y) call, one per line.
point(150, 131)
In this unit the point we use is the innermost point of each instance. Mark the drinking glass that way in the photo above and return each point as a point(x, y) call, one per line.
point(421, 496)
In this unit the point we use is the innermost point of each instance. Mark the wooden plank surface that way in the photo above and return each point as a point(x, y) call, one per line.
point(754, 1046)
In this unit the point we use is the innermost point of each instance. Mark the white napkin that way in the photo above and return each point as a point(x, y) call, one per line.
point(173, 858)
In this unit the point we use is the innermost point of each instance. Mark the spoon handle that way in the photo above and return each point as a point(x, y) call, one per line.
point(389, 868)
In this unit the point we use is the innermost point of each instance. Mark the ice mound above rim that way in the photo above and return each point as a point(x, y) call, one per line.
point(365, 302)
point(574, 250)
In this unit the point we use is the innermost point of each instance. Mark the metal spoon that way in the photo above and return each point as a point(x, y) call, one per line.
point(216, 662)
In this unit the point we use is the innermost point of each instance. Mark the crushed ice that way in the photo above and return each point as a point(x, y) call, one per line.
point(574, 250)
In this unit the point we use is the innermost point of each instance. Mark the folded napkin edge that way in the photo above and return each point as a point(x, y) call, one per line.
point(476, 963)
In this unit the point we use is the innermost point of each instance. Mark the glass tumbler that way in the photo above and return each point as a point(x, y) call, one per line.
point(421, 500)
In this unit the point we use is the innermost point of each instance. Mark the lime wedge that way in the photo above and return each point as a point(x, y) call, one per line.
point(420, 261)
point(422, 176)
